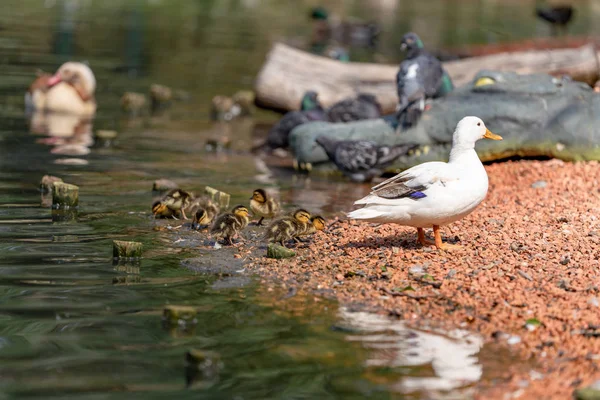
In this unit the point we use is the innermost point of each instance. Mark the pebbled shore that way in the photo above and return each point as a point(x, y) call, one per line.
point(527, 277)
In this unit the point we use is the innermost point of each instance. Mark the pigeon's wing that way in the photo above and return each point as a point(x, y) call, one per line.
point(431, 73)
point(356, 156)
point(386, 155)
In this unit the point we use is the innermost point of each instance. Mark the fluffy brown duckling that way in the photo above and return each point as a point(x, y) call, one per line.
point(317, 223)
point(133, 103)
point(289, 227)
point(203, 211)
point(263, 205)
point(228, 225)
point(172, 204)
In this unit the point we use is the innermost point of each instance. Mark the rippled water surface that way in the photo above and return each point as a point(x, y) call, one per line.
point(74, 325)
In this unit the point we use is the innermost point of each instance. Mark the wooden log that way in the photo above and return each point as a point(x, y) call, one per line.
point(65, 196)
point(289, 72)
point(128, 250)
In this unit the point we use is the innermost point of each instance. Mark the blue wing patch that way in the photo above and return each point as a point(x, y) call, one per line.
point(417, 195)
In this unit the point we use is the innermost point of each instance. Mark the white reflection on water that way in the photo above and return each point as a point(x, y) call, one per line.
point(452, 356)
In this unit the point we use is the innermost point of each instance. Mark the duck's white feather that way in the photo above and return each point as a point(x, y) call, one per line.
point(434, 193)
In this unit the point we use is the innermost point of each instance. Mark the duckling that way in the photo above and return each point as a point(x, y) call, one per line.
point(203, 211)
point(172, 204)
point(228, 225)
point(224, 108)
point(263, 205)
point(133, 103)
point(245, 100)
point(289, 227)
point(317, 223)
point(161, 96)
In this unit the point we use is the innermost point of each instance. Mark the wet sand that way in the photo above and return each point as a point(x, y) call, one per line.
point(527, 276)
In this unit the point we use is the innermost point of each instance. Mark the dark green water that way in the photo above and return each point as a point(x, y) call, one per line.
point(73, 325)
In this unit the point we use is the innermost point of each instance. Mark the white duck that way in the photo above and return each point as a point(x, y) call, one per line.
point(433, 193)
point(70, 90)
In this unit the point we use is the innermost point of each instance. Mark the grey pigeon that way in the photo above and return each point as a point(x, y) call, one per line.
point(420, 77)
point(361, 160)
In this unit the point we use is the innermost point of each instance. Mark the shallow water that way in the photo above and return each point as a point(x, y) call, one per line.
point(73, 324)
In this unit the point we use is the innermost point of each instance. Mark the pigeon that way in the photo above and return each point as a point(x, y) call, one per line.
point(420, 77)
point(364, 106)
point(558, 16)
point(361, 160)
point(310, 110)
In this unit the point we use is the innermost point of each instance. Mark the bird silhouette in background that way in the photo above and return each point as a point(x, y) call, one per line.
point(557, 16)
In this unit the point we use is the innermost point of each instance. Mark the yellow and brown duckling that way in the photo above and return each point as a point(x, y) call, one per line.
point(228, 225)
point(317, 223)
point(203, 211)
point(263, 205)
point(289, 227)
point(133, 103)
point(172, 204)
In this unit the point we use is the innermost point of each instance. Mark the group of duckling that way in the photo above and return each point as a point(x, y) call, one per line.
point(178, 203)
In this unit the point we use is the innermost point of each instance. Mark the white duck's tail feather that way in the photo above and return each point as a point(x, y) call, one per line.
point(365, 213)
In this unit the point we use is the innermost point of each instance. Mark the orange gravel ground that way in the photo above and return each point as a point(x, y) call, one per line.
point(530, 254)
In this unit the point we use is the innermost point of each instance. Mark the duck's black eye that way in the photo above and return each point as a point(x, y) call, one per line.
point(479, 124)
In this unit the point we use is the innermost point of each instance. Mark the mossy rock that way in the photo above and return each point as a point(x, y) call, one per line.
point(127, 250)
point(279, 252)
point(173, 314)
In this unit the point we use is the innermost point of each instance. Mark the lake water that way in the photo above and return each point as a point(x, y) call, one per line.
point(74, 325)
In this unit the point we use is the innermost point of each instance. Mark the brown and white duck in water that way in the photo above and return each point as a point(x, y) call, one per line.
point(70, 90)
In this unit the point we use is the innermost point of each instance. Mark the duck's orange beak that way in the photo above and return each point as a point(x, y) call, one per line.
point(490, 135)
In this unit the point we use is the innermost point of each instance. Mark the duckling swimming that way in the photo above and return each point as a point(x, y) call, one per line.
point(228, 225)
point(172, 204)
point(203, 211)
point(263, 205)
point(289, 227)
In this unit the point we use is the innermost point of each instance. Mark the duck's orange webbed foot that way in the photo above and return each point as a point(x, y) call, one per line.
point(422, 239)
point(441, 245)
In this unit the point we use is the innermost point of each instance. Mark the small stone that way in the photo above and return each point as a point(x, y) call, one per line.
point(451, 274)
point(416, 270)
point(106, 134)
point(512, 340)
point(524, 275)
point(565, 259)
point(539, 184)
point(593, 301)
point(339, 277)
